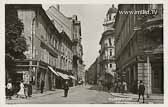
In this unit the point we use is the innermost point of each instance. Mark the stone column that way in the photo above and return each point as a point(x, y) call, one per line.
point(149, 87)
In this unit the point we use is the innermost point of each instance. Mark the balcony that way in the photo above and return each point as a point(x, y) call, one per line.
point(107, 58)
point(75, 40)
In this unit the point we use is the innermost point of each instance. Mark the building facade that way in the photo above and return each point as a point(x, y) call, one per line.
point(72, 27)
point(49, 56)
point(139, 46)
point(93, 72)
point(107, 51)
point(78, 65)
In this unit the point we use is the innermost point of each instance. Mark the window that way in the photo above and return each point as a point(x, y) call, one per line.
point(110, 65)
point(110, 41)
point(111, 53)
point(54, 43)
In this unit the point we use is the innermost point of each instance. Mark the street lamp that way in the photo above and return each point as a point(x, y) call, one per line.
point(149, 90)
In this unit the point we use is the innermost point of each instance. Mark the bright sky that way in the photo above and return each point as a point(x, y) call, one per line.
point(91, 17)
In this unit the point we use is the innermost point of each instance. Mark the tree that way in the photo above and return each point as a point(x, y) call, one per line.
point(15, 43)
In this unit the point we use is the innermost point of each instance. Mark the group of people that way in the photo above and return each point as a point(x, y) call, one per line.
point(24, 91)
point(122, 87)
point(66, 87)
point(141, 89)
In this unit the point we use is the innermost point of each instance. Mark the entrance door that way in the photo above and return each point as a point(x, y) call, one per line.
point(157, 78)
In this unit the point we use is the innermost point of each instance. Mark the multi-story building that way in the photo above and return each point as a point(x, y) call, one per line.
point(107, 51)
point(139, 46)
point(72, 28)
point(49, 56)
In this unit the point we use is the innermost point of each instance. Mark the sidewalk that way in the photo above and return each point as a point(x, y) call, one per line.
point(154, 98)
point(130, 95)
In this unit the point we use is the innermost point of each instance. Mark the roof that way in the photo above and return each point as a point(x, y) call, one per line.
point(41, 10)
point(106, 34)
point(61, 22)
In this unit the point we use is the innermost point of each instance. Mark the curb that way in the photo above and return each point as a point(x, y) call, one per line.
point(134, 97)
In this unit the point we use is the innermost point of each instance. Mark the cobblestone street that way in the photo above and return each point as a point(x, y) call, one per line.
point(77, 95)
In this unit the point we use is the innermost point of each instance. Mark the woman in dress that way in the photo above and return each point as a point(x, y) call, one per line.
point(21, 91)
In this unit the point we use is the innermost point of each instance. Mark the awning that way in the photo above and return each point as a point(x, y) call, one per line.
point(64, 76)
point(70, 76)
point(53, 71)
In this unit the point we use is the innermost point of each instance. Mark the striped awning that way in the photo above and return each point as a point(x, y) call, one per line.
point(70, 76)
point(64, 76)
point(53, 71)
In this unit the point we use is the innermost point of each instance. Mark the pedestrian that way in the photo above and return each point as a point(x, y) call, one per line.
point(42, 86)
point(119, 87)
point(124, 87)
point(115, 86)
point(141, 90)
point(21, 92)
point(66, 88)
point(30, 89)
point(26, 90)
point(9, 90)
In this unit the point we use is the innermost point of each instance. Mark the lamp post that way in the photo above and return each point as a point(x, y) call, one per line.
point(149, 90)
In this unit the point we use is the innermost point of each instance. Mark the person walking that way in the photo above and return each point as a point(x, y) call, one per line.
point(26, 90)
point(119, 87)
point(42, 86)
point(125, 87)
point(9, 90)
point(66, 88)
point(21, 92)
point(122, 88)
point(30, 89)
point(141, 90)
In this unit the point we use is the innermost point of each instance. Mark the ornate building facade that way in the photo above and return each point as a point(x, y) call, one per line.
point(139, 46)
point(72, 27)
point(107, 51)
point(50, 50)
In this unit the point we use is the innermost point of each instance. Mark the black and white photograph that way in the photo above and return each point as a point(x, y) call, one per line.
point(84, 53)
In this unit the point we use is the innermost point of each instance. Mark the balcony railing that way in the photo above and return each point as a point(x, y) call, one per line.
point(108, 58)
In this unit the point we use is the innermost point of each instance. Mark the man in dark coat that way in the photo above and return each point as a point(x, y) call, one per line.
point(30, 89)
point(141, 91)
point(42, 86)
point(9, 90)
point(66, 88)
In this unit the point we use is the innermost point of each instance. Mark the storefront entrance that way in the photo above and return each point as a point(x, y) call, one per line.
point(157, 78)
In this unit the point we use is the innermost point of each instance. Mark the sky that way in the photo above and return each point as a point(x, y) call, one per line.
point(92, 17)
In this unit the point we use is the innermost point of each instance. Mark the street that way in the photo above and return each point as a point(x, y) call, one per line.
point(77, 95)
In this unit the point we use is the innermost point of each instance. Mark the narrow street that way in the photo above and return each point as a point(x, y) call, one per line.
point(78, 95)
point(116, 49)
